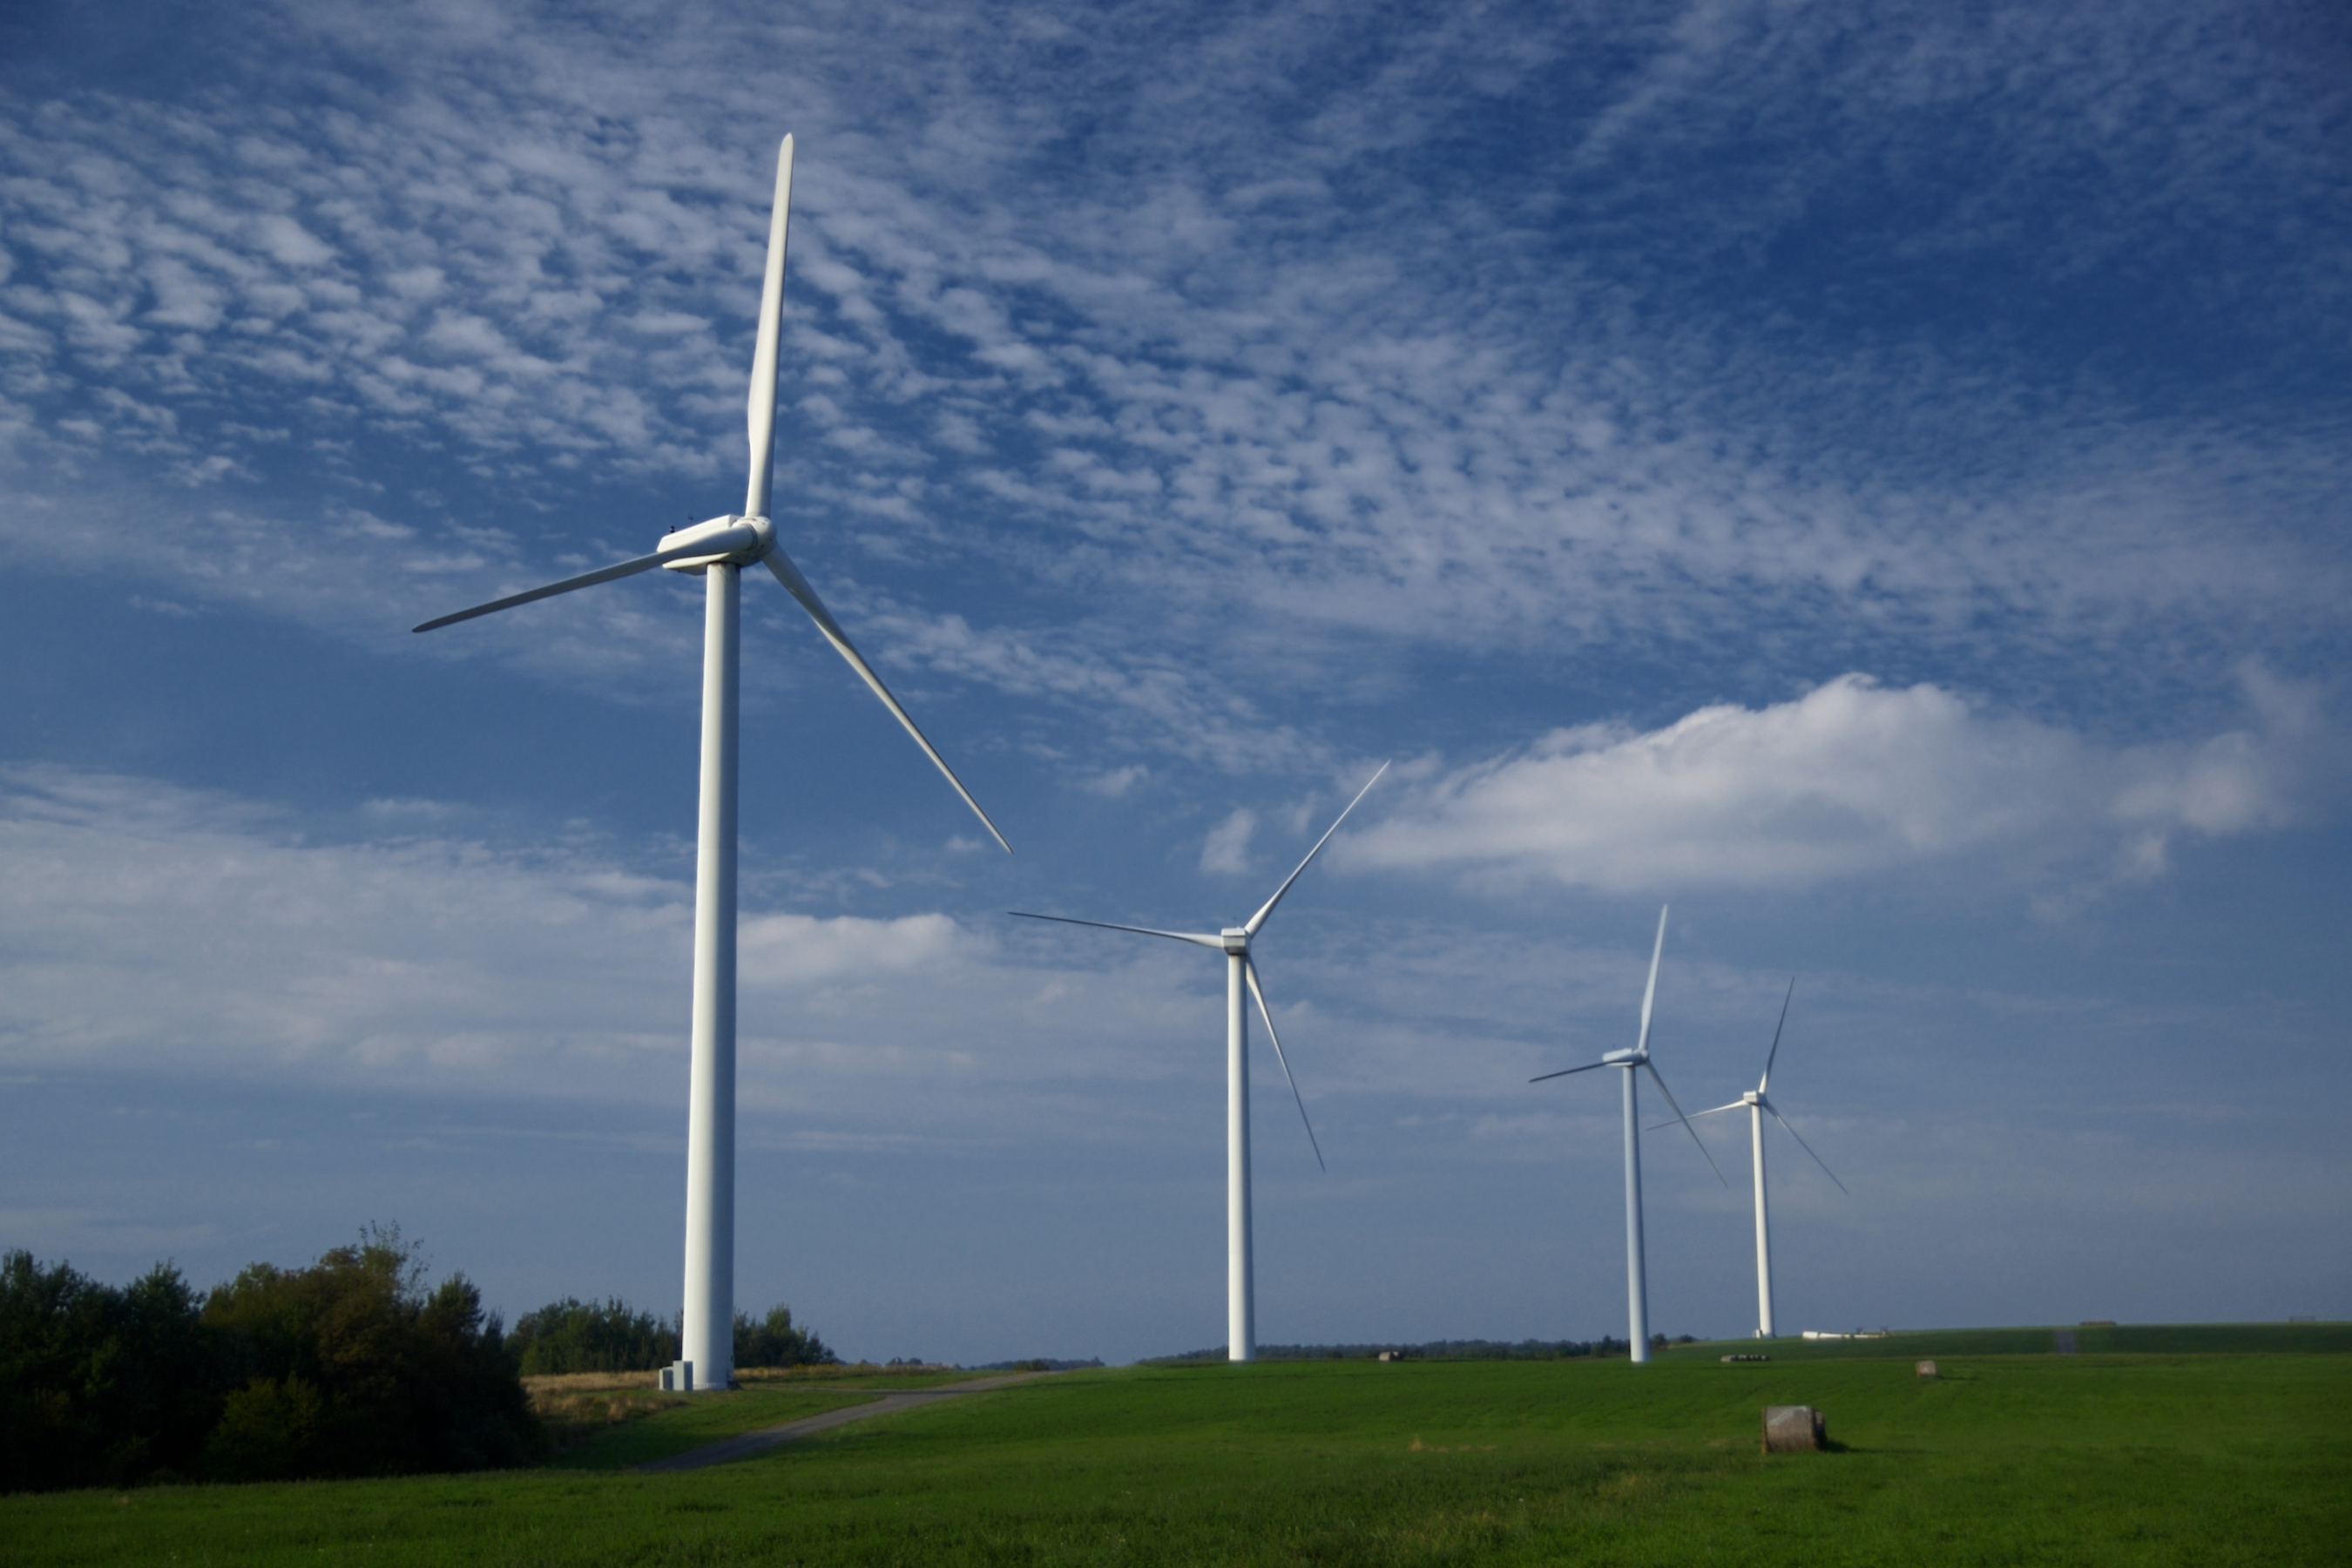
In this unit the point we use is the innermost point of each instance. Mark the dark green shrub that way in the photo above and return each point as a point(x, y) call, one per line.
point(99, 1385)
point(774, 1341)
point(267, 1430)
point(571, 1335)
point(348, 1368)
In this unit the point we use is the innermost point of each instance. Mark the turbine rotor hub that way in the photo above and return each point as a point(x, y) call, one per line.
point(740, 539)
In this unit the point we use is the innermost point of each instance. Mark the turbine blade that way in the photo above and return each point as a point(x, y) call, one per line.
point(719, 536)
point(1196, 938)
point(1700, 1115)
point(1249, 973)
point(586, 580)
point(1766, 1081)
point(1564, 1071)
point(1650, 992)
point(762, 408)
point(1258, 919)
point(798, 587)
point(1685, 1121)
point(1808, 1148)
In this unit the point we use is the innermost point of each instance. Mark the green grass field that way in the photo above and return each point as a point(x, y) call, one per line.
point(2115, 1457)
point(2168, 1339)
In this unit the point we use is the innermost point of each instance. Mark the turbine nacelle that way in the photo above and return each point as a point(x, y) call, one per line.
point(741, 540)
point(1235, 940)
point(1630, 1056)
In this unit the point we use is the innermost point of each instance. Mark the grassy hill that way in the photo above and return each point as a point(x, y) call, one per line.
point(2145, 1339)
point(2100, 1457)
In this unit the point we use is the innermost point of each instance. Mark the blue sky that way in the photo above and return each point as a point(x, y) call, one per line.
point(1875, 476)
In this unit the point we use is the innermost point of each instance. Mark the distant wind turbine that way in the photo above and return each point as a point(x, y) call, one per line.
point(1635, 1061)
point(1756, 1105)
point(717, 550)
point(1241, 969)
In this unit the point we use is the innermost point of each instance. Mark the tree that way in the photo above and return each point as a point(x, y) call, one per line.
point(571, 1335)
point(774, 1341)
point(99, 1385)
point(350, 1368)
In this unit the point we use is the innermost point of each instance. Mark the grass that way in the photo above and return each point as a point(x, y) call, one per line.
point(611, 1421)
point(2097, 1457)
point(2176, 1338)
point(613, 1432)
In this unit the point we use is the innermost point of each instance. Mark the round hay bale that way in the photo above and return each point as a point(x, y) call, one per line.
point(1794, 1429)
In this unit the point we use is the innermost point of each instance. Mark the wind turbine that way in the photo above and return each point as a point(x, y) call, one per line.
point(1241, 969)
point(1757, 1105)
point(717, 550)
point(1633, 1062)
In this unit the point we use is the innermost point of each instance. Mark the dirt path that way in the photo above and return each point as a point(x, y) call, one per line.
point(748, 1443)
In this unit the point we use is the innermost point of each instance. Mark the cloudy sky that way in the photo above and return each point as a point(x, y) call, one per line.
point(1876, 477)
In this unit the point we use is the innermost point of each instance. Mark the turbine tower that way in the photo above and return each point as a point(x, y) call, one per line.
point(1241, 970)
point(1633, 1062)
point(717, 550)
point(1757, 1106)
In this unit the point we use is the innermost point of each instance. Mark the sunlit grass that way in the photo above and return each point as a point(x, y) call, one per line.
point(2088, 1458)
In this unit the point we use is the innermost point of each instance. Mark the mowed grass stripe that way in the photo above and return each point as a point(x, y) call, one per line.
point(2162, 1339)
point(2088, 1458)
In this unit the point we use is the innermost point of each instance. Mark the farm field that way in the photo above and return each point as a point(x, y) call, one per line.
point(2094, 1457)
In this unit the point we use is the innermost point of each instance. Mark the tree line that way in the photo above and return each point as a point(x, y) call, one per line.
point(351, 1366)
point(571, 1335)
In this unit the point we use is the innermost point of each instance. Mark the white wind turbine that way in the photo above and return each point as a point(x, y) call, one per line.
point(1241, 969)
point(717, 550)
point(1633, 1062)
point(1756, 1105)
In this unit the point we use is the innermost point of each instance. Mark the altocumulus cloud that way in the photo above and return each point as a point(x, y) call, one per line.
point(1175, 371)
point(1850, 779)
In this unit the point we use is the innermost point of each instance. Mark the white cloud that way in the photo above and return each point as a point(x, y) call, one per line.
point(191, 931)
point(1112, 784)
point(1226, 849)
point(158, 930)
point(164, 929)
point(783, 949)
point(1851, 779)
point(155, 942)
